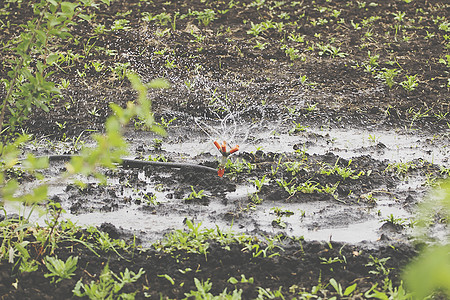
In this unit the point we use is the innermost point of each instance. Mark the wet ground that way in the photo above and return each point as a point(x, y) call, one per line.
point(332, 161)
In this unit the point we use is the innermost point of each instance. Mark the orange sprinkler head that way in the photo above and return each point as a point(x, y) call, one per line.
point(221, 172)
point(224, 147)
point(235, 149)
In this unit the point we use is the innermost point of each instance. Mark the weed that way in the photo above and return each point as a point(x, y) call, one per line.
point(345, 172)
point(120, 69)
point(238, 166)
point(399, 16)
point(268, 294)
point(330, 50)
point(120, 24)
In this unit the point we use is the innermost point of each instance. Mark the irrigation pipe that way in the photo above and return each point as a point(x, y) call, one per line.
point(134, 163)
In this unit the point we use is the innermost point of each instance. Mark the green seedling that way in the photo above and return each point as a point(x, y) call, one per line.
point(157, 144)
point(195, 240)
point(297, 128)
point(260, 46)
point(278, 211)
point(388, 75)
point(195, 195)
point(296, 167)
point(256, 29)
point(204, 288)
point(206, 16)
point(268, 294)
point(233, 280)
point(379, 265)
point(399, 16)
point(60, 269)
point(299, 38)
point(259, 182)
point(109, 285)
point(165, 124)
point(291, 189)
point(410, 83)
point(400, 168)
point(394, 220)
point(292, 53)
point(120, 69)
point(340, 291)
point(120, 24)
point(168, 277)
point(344, 172)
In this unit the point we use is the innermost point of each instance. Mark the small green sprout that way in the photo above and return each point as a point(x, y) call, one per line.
point(410, 83)
point(195, 195)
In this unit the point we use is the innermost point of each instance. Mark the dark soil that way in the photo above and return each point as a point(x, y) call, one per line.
point(216, 70)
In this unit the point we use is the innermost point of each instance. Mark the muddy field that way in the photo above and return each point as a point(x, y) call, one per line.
point(341, 112)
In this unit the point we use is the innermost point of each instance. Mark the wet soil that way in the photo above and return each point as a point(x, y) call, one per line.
point(341, 187)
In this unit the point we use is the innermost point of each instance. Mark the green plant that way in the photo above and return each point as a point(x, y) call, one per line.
point(256, 29)
point(330, 50)
point(34, 51)
point(401, 168)
point(59, 268)
point(410, 83)
point(259, 182)
point(299, 38)
point(233, 280)
point(344, 172)
point(292, 53)
point(109, 285)
point(195, 195)
point(165, 124)
point(194, 240)
point(120, 24)
point(203, 289)
point(260, 46)
point(431, 271)
point(340, 291)
point(388, 75)
point(120, 69)
point(206, 16)
point(399, 16)
point(297, 128)
point(394, 220)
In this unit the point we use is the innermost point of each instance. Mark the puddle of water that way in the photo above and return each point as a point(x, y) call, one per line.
point(345, 143)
